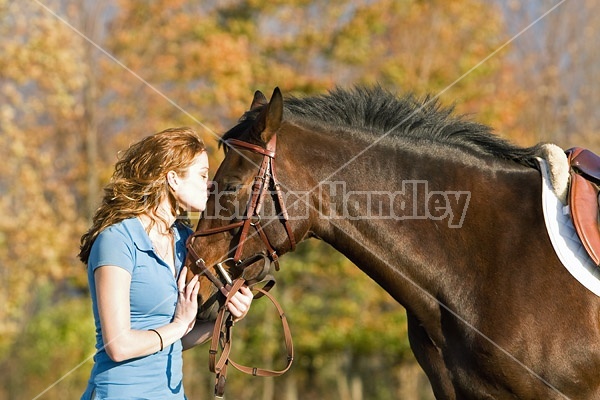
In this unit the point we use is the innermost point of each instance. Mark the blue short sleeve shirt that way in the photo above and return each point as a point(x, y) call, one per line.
point(153, 297)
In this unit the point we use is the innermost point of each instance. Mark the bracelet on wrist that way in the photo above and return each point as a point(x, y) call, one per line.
point(159, 336)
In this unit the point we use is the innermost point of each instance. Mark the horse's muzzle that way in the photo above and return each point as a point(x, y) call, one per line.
point(253, 270)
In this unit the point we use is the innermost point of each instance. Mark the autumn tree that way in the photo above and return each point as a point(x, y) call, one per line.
point(41, 77)
point(42, 80)
point(558, 68)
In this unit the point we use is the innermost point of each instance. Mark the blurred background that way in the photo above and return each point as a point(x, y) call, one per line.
point(81, 80)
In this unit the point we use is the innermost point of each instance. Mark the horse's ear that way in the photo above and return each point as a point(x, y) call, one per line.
point(274, 115)
point(258, 100)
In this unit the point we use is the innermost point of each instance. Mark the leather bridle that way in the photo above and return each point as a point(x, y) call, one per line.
point(263, 182)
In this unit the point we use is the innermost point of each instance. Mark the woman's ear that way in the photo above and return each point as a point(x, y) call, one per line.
point(173, 180)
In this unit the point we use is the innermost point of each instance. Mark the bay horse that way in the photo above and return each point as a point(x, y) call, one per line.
point(443, 214)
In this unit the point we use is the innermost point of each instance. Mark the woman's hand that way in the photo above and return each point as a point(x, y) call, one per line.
point(239, 304)
point(187, 302)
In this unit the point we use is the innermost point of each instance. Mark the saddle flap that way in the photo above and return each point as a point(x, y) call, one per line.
point(584, 201)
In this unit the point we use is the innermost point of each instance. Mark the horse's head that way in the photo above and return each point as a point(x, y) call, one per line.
point(245, 226)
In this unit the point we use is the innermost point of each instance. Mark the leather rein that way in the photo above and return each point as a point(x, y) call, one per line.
point(264, 180)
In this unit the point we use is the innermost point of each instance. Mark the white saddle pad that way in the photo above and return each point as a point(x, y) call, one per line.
point(564, 239)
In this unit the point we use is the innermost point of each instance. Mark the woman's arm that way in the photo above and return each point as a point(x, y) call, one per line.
point(120, 341)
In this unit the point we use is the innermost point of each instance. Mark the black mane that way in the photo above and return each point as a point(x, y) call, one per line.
point(373, 112)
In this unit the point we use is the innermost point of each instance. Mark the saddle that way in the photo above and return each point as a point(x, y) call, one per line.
point(584, 198)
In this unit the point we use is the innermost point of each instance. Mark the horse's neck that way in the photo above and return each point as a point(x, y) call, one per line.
point(408, 215)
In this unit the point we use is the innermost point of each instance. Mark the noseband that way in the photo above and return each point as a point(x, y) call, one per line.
point(264, 180)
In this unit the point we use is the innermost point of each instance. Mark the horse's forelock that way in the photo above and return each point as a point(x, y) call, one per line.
point(244, 125)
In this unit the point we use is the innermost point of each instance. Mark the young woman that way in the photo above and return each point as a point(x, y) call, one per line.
point(145, 314)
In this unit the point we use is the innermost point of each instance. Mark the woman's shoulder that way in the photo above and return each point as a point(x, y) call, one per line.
point(129, 228)
point(119, 243)
point(128, 233)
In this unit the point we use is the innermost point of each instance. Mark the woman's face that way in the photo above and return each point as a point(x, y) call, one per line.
point(191, 188)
